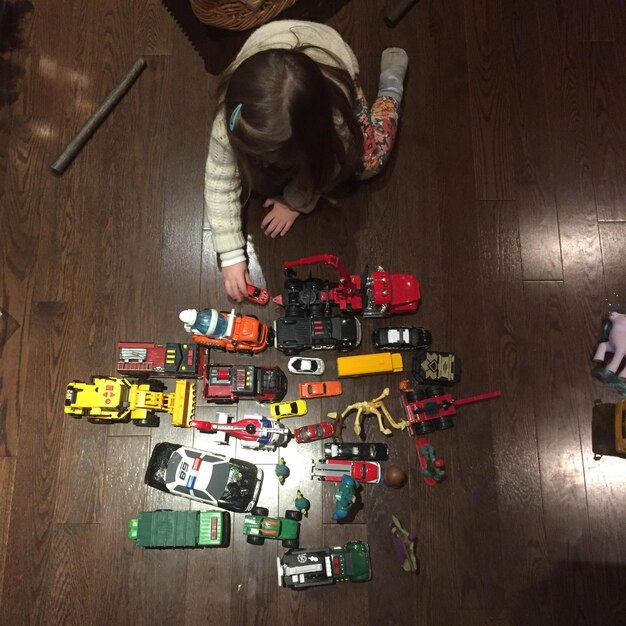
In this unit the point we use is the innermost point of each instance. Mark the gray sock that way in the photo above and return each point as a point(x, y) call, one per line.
point(393, 66)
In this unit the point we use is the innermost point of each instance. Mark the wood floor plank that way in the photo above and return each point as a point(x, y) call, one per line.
point(489, 101)
point(607, 108)
point(478, 566)
point(534, 186)
point(571, 591)
point(517, 472)
point(7, 480)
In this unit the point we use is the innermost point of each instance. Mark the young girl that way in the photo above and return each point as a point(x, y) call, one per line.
point(292, 123)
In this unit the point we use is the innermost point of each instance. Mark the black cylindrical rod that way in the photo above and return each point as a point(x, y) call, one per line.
point(90, 127)
point(398, 12)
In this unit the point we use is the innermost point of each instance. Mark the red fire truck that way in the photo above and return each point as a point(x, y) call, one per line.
point(180, 360)
point(225, 384)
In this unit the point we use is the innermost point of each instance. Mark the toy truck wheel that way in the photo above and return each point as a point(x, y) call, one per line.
point(424, 338)
point(411, 396)
point(443, 423)
point(434, 391)
point(152, 421)
point(291, 543)
point(260, 510)
point(295, 515)
point(423, 428)
point(99, 420)
point(255, 540)
point(155, 385)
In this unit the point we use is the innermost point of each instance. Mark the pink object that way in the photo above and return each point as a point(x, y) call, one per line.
point(615, 345)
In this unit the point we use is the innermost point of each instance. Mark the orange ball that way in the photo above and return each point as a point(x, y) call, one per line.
point(394, 476)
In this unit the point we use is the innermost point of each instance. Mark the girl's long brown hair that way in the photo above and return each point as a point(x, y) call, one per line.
point(285, 129)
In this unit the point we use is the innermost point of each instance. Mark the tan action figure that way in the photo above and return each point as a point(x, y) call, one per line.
point(373, 407)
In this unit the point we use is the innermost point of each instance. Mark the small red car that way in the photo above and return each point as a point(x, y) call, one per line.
point(258, 294)
point(320, 389)
point(313, 432)
point(335, 469)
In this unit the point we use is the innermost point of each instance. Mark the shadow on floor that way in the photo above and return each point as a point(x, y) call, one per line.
point(218, 47)
point(12, 15)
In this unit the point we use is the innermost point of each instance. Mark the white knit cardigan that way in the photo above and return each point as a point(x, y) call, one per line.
point(222, 182)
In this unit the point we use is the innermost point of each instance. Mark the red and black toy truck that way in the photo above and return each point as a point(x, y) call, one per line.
point(431, 408)
point(226, 384)
point(180, 360)
point(373, 294)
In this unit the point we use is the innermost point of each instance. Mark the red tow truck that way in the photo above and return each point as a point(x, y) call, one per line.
point(431, 408)
point(373, 294)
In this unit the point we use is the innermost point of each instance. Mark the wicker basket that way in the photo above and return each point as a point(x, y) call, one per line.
point(235, 15)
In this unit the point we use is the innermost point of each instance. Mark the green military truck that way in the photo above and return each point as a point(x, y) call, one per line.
point(180, 529)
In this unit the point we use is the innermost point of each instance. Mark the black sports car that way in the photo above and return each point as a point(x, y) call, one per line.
point(402, 338)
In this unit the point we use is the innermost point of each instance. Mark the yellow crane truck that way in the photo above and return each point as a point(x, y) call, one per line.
point(107, 400)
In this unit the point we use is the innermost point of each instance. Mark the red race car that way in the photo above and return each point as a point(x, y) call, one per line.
point(313, 432)
point(334, 469)
point(258, 294)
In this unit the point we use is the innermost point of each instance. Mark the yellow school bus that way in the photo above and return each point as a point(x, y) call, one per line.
point(364, 364)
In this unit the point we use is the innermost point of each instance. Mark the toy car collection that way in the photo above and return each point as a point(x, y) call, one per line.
point(356, 451)
point(402, 338)
point(208, 477)
point(225, 384)
point(375, 294)
point(314, 432)
point(182, 360)
point(320, 389)
point(295, 408)
point(318, 314)
point(304, 365)
point(436, 368)
point(334, 469)
point(365, 364)
point(432, 409)
point(254, 431)
point(226, 330)
point(107, 400)
point(258, 527)
point(295, 334)
point(180, 529)
point(302, 568)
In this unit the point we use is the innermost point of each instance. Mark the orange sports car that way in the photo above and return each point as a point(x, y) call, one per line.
point(320, 389)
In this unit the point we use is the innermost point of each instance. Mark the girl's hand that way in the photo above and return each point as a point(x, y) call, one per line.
point(279, 219)
point(236, 279)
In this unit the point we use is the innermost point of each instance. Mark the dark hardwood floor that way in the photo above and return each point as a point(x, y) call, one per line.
point(506, 197)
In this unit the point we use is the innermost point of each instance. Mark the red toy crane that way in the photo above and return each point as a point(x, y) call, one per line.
point(374, 294)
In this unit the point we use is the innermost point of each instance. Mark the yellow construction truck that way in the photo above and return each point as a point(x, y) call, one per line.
point(107, 400)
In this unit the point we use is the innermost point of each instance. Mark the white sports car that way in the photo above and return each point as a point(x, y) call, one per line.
point(306, 365)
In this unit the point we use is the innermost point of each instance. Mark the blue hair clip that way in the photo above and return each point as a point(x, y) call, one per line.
point(233, 117)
